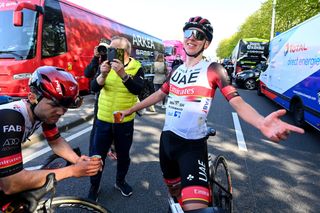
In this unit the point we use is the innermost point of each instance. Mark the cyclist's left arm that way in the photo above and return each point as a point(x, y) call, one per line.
point(271, 126)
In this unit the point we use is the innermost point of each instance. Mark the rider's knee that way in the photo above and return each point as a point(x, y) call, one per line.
point(174, 186)
point(195, 197)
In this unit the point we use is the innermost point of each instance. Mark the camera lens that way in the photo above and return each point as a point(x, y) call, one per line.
point(102, 49)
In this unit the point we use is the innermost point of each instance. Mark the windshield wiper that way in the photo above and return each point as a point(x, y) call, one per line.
point(12, 53)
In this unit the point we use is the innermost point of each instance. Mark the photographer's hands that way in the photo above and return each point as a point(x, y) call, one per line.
point(117, 66)
point(105, 68)
point(104, 71)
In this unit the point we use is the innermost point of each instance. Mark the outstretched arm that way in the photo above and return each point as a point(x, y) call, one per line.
point(152, 99)
point(271, 126)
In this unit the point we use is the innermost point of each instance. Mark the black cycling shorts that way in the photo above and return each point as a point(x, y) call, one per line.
point(184, 158)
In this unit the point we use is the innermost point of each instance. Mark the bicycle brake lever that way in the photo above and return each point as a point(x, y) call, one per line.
point(33, 196)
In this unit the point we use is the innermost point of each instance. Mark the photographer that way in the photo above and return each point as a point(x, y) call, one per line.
point(119, 83)
point(99, 56)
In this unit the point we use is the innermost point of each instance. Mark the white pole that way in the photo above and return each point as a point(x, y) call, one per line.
point(273, 18)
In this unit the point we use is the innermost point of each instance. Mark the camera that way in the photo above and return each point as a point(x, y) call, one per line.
point(102, 48)
point(115, 53)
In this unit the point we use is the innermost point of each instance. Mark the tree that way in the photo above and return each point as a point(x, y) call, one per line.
point(289, 13)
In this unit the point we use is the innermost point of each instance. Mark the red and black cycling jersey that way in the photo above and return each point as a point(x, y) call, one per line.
point(190, 92)
point(15, 128)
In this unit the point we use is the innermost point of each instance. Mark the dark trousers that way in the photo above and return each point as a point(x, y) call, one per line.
point(104, 134)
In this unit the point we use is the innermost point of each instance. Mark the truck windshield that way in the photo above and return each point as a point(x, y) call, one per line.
point(18, 42)
point(169, 50)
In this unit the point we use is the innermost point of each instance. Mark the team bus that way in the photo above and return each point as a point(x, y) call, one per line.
point(58, 33)
point(248, 53)
point(292, 78)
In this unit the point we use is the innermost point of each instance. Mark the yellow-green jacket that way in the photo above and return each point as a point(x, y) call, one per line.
point(114, 96)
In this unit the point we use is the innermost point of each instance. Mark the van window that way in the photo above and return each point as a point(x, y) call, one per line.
point(53, 34)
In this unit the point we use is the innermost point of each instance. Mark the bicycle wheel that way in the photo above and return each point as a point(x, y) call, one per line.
point(70, 204)
point(222, 186)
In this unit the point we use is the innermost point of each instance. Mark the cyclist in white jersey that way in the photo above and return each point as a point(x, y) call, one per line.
point(52, 92)
point(190, 90)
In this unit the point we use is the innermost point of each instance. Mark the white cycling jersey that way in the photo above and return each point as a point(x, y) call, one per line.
point(16, 127)
point(190, 92)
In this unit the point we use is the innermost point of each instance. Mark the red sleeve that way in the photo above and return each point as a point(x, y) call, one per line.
point(50, 131)
point(165, 87)
point(218, 77)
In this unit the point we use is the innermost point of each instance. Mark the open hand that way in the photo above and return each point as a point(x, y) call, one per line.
point(277, 130)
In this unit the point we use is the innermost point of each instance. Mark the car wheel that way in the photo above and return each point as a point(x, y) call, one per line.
point(298, 114)
point(259, 93)
point(250, 84)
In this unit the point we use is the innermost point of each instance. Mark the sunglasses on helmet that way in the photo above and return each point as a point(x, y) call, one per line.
point(198, 35)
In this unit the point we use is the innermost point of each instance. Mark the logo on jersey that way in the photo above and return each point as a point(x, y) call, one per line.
point(190, 177)
point(177, 114)
point(319, 98)
point(10, 160)
point(11, 128)
point(186, 78)
point(11, 142)
point(202, 171)
point(206, 106)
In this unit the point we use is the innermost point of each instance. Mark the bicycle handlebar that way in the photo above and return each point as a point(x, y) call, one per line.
point(33, 196)
point(52, 157)
point(211, 132)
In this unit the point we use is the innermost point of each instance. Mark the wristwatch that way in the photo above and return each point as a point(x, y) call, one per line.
point(125, 78)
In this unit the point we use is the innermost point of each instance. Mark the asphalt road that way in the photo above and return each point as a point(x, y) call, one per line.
point(268, 177)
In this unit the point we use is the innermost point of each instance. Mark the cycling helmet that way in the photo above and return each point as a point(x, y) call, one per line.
point(202, 24)
point(56, 84)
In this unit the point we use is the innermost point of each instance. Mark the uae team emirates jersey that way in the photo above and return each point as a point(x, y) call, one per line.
point(190, 91)
point(15, 128)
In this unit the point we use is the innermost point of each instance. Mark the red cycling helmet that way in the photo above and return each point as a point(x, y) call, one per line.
point(56, 84)
point(202, 24)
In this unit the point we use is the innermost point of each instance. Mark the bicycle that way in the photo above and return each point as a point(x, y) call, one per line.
point(36, 201)
point(220, 188)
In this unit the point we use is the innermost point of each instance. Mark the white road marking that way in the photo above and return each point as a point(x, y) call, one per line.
point(47, 149)
point(240, 139)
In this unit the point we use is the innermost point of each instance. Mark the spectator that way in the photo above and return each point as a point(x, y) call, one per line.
point(160, 73)
point(176, 63)
point(99, 56)
point(119, 84)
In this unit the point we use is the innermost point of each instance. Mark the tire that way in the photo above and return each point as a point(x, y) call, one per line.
point(259, 93)
point(250, 84)
point(71, 204)
point(298, 114)
point(222, 195)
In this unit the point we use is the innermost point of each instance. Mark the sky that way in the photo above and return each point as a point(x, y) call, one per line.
point(165, 18)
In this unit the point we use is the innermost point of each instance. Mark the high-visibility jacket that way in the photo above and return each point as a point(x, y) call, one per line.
point(114, 96)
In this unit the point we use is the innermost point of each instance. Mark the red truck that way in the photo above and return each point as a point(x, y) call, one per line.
point(58, 33)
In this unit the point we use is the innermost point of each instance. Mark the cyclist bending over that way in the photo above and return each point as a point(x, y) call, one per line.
point(190, 89)
point(53, 91)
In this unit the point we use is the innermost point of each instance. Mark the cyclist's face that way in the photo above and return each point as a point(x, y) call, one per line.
point(48, 111)
point(192, 44)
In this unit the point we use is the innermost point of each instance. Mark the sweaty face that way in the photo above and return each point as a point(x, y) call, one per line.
point(48, 111)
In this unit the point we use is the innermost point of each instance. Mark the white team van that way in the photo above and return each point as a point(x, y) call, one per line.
point(292, 78)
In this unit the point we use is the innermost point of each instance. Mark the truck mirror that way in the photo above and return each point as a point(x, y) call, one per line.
point(18, 18)
point(18, 14)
